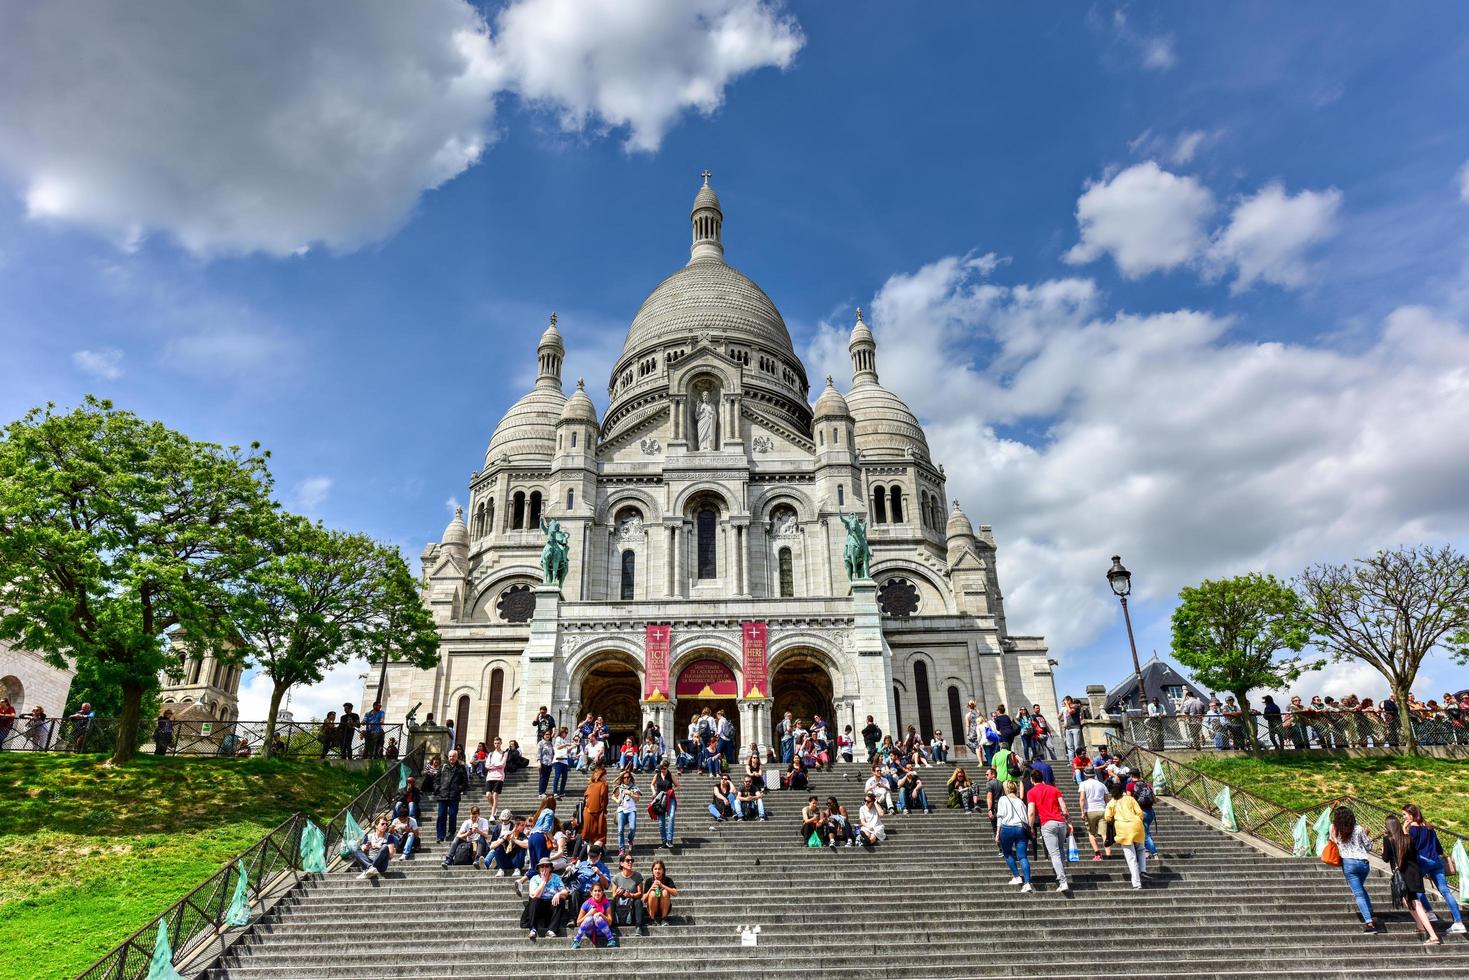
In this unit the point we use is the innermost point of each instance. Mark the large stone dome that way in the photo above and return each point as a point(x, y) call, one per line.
point(529, 428)
point(886, 426)
point(707, 296)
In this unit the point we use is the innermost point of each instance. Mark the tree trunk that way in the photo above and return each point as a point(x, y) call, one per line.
point(1405, 719)
point(1247, 722)
point(277, 692)
point(127, 723)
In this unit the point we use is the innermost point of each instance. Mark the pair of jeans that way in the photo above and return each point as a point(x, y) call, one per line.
point(558, 777)
point(1435, 871)
point(1013, 846)
point(1073, 741)
point(627, 822)
point(405, 844)
point(712, 763)
point(788, 750)
point(914, 800)
point(758, 805)
point(508, 862)
point(545, 780)
point(537, 849)
point(1356, 870)
point(448, 819)
point(378, 861)
point(1148, 817)
point(665, 822)
point(940, 755)
point(1137, 861)
point(1054, 834)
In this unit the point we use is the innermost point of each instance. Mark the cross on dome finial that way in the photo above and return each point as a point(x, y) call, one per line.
point(956, 503)
point(828, 382)
point(706, 175)
point(859, 313)
point(553, 318)
point(458, 512)
point(581, 384)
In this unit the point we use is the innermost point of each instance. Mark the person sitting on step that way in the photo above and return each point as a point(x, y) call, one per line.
point(542, 824)
point(869, 822)
point(713, 760)
point(648, 755)
point(961, 790)
point(751, 799)
point(627, 757)
point(659, 894)
point(795, 777)
point(910, 790)
point(811, 822)
point(838, 824)
point(627, 896)
point(722, 807)
point(594, 921)
point(938, 749)
point(877, 786)
point(473, 837)
point(581, 876)
point(374, 851)
point(754, 768)
point(845, 744)
point(545, 911)
point(409, 801)
point(508, 849)
point(403, 834)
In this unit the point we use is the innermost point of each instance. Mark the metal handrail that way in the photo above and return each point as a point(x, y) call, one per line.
point(196, 921)
point(1255, 815)
point(198, 738)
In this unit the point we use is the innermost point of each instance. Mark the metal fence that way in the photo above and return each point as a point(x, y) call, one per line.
point(1255, 815)
point(216, 738)
point(196, 925)
point(1284, 733)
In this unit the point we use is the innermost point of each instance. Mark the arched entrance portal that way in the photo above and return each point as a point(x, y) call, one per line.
point(611, 690)
point(704, 683)
point(801, 686)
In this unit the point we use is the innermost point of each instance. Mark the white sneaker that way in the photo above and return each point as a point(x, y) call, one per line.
point(1063, 887)
point(1457, 928)
point(363, 876)
point(1026, 887)
point(372, 874)
point(500, 873)
point(1016, 880)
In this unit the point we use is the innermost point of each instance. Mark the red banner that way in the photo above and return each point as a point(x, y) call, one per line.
point(656, 644)
point(707, 679)
point(756, 682)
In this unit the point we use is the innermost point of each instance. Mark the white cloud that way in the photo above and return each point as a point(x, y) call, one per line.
point(312, 491)
point(1464, 182)
point(104, 362)
point(341, 684)
point(1154, 52)
point(1179, 149)
point(239, 127)
point(1146, 218)
point(1163, 438)
point(1269, 235)
point(638, 64)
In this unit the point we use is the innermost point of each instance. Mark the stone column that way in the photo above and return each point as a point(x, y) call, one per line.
point(874, 659)
point(538, 661)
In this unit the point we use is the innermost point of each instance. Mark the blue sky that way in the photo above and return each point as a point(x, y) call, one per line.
point(1186, 284)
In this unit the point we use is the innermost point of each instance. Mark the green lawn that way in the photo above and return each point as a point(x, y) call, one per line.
point(1439, 786)
point(91, 852)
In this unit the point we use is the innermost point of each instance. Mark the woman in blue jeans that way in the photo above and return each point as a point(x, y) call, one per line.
point(1433, 862)
point(1010, 820)
point(1355, 847)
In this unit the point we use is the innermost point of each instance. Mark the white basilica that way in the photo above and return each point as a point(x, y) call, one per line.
point(703, 516)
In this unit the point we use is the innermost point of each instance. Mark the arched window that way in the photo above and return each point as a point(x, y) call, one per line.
point(821, 437)
point(195, 667)
point(895, 511)
point(787, 578)
point(629, 573)
point(879, 506)
point(461, 724)
point(956, 718)
point(497, 694)
point(707, 527)
point(517, 516)
point(570, 499)
point(898, 712)
point(535, 509)
point(573, 439)
point(490, 516)
point(841, 494)
point(836, 437)
point(920, 691)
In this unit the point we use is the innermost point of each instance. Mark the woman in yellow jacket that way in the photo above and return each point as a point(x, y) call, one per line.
point(1126, 817)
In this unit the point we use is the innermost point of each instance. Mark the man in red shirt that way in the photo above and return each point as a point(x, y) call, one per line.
point(1048, 812)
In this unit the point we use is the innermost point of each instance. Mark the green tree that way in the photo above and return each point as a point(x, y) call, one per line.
point(115, 530)
point(1230, 635)
point(323, 598)
point(1390, 611)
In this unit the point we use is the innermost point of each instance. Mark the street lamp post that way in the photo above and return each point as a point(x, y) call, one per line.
point(1121, 581)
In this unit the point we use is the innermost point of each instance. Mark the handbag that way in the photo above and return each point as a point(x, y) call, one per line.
point(1399, 890)
point(1331, 854)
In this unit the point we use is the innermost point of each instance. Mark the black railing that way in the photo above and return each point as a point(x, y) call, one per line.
point(1286, 733)
point(1253, 814)
point(213, 738)
point(372, 802)
point(196, 923)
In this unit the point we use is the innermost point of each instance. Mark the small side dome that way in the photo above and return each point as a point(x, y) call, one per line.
point(457, 532)
point(831, 404)
point(529, 428)
point(552, 337)
point(579, 407)
point(861, 332)
point(958, 526)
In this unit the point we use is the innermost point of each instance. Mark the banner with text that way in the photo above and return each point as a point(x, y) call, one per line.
point(756, 683)
point(656, 645)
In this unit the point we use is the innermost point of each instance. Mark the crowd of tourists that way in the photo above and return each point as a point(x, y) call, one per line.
point(1412, 850)
point(1321, 721)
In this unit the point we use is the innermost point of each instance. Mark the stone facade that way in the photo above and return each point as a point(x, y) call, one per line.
point(709, 496)
point(207, 682)
point(28, 680)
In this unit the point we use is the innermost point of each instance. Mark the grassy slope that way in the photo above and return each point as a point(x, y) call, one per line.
point(1439, 786)
point(90, 852)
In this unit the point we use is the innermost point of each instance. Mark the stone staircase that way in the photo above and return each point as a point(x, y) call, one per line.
point(933, 901)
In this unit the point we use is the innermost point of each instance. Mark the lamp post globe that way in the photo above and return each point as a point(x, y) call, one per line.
point(1120, 579)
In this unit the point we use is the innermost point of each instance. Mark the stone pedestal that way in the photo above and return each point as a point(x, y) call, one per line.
point(754, 725)
point(434, 737)
point(1094, 730)
point(874, 659)
point(538, 661)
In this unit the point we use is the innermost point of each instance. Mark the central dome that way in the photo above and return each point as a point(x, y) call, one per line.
point(707, 296)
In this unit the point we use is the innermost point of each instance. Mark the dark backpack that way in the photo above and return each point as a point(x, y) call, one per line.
point(1144, 793)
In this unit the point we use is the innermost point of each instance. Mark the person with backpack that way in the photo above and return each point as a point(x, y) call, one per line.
point(664, 804)
point(1142, 791)
point(871, 736)
point(1041, 731)
point(1005, 728)
point(1402, 857)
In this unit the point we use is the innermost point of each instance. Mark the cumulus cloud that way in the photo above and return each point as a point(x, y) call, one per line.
point(312, 491)
point(1464, 183)
point(238, 127)
point(341, 684)
point(638, 64)
point(1093, 431)
point(1146, 218)
point(1270, 234)
point(104, 362)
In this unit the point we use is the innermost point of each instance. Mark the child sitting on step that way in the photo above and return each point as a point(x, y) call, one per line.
point(594, 919)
